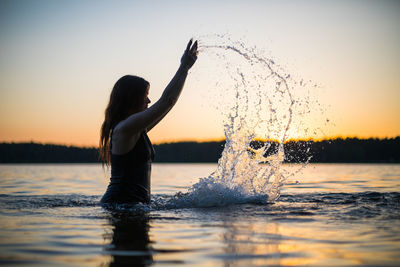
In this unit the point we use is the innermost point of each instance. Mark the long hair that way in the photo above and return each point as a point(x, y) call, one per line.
point(126, 97)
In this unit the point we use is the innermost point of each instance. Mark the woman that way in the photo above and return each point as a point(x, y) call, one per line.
point(124, 142)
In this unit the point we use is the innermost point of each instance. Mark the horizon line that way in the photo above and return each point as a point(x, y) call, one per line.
point(216, 140)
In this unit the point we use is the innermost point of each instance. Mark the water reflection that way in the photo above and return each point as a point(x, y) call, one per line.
point(252, 243)
point(130, 244)
point(258, 237)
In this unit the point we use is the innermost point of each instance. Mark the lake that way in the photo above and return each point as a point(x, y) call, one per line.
point(326, 215)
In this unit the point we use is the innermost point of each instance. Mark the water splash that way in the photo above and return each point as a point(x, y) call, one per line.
point(258, 101)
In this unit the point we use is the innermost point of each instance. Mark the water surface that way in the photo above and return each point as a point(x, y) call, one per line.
point(327, 215)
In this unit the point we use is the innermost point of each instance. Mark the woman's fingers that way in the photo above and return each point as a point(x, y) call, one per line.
point(190, 55)
point(189, 45)
point(194, 48)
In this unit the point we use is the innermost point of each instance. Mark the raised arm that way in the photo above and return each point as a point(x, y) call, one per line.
point(147, 119)
point(170, 95)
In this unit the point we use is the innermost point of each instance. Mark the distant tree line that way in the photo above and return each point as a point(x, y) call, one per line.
point(354, 150)
point(348, 150)
point(46, 153)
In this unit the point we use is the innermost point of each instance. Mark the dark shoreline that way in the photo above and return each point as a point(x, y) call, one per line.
point(338, 150)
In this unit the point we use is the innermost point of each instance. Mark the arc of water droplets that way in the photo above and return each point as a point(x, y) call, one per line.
point(229, 166)
point(267, 63)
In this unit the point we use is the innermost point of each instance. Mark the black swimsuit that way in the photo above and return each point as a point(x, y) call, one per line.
point(130, 174)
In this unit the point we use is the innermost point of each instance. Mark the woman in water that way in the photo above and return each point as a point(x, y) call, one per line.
point(124, 142)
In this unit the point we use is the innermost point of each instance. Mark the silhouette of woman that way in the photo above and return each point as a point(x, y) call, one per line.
point(124, 142)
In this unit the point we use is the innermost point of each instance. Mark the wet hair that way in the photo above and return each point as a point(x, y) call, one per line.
point(126, 99)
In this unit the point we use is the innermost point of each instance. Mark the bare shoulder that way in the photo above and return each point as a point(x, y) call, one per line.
point(122, 142)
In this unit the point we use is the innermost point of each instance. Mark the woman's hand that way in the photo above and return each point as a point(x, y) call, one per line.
point(190, 55)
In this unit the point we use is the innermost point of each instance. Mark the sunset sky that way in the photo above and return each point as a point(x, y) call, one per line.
point(60, 59)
